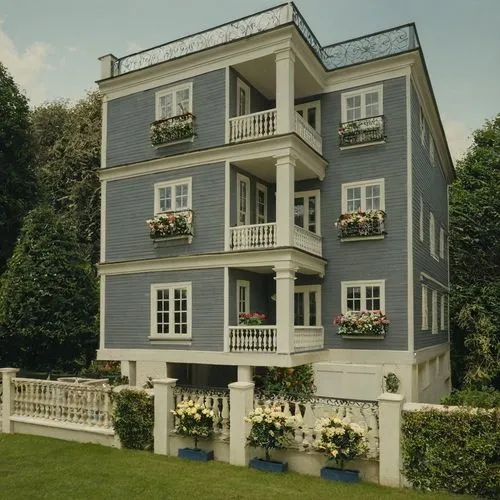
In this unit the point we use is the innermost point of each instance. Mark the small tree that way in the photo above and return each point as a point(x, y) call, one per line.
point(48, 297)
point(193, 420)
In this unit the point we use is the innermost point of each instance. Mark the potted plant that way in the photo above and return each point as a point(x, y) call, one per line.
point(171, 225)
point(339, 440)
point(197, 421)
point(361, 223)
point(270, 430)
point(171, 130)
point(252, 318)
point(369, 324)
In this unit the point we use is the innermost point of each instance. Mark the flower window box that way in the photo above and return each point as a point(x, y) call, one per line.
point(172, 130)
point(363, 131)
point(362, 325)
point(361, 225)
point(170, 226)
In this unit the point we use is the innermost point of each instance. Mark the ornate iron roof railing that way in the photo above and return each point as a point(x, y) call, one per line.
point(355, 51)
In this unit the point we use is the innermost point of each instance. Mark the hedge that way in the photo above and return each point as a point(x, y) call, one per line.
point(134, 419)
point(457, 451)
point(484, 398)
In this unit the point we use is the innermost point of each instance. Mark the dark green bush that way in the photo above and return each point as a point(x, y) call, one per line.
point(485, 398)
point(134, 419)
point(290, 383)
point(456, 451)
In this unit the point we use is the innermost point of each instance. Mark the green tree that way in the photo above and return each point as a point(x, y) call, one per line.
point(17, 184)
point(475, 260)
point(68, 155)
point(48, 297)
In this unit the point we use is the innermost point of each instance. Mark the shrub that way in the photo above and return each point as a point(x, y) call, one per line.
point(457, 451)
point(485, 398)
point(290, 383)
point(193, 420)
point(340, 440)
point(134, 419)
point(271, 428)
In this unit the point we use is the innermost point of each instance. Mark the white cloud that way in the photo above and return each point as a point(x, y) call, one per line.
point(26, 67)
point(459, 137)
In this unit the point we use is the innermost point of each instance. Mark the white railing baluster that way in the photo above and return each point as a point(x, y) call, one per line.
point(252, 126)
point(308, 338)
point(259, 338)
point(253, 237)
point(308, 134)
point(307, 241)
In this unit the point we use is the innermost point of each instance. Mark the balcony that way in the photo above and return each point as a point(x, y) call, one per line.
point(172, 130)
point(363, 131)
point(264, 338)
point(263, 237)
point(264, 124)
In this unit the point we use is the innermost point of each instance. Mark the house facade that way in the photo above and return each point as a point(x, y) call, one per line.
point(248, 169)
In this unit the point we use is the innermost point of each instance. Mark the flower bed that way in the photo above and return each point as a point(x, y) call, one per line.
point(171, 224)
point(356, 224)
point(252, 318)
point(363, 324)
point(168, 130)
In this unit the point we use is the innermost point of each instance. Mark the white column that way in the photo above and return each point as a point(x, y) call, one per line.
point(285, 91)
point(285, 284)
point(285, 194)
point(164, 420)
point(245, 373)
point(131, 372)
point(107, 62)
point(240, 405)
point(390, 407)
point(8, 374)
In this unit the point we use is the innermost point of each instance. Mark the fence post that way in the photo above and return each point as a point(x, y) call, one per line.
point(8, 374)
point(164, 403)
point(390, 409)
point(240, 404)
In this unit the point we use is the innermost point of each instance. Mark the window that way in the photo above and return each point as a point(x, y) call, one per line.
point(432, 151)
point(171, 310)
point(423, 127)
point(242, 98)
point(173, 195)
point(243, 294)
point(443, 312)
point(261, 204)
point(307, 305)
point(432, 235)
point(366, 195)
point(311, 112)
point(434, 311)
point(360, 296)
point(441, 243)
point(425, 308)
point(243, 200)
point(307, 211)
point(421, 218)
point(363, 103)
point(174, 101)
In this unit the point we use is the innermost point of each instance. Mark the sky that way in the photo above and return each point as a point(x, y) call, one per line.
point(51, 47)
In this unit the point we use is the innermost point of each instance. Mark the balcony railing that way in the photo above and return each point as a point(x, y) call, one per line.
point(307, 241)
point(253, 237)
point(366, 48)
point(362, 131)
point(172, 130)
point(257, 338)
point(253, 126)
point(308, 338)
point(308, 134)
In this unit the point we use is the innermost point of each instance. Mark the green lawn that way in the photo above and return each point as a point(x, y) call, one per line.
point(40, 468)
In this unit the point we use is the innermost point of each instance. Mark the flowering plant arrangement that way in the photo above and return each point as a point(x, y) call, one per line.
point(361, 223)
point(175, 128)
point(193, 420)
point(252, 318)
point(171, 224)
point(362, 323)
point(270, 428)
point(340, 440)
point(348, 128)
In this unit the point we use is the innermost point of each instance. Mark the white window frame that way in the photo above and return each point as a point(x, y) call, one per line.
point(432, 150)
point(423, 127)
point(434, 312)
point(362, 92)
point(421, 218)
point(425, 307)
point(258, 219)
point(432, 236)
point(311, 104)
point(242, 178)
point(441, 243)
point(246, 285)
point(306, 195)
point(362, 185)
point(240, 84)
point(362, 284)
point(153, 327)
point(306, 290)
point(173, 91)
point(173, 184)
point(442, 312)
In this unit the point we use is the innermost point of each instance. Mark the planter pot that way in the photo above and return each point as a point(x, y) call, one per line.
point(268, 465)
point(345, 475)
point(195, 454)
